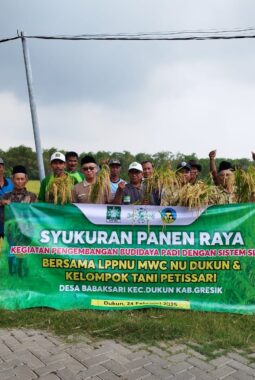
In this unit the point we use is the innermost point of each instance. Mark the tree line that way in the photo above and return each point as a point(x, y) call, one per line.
point(23, 155)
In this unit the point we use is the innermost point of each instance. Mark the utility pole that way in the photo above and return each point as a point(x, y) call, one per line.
point(33, 107)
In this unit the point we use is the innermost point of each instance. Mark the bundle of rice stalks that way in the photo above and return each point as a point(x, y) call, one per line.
point(101, 185)
point(161, 178)
point(245, 185)
point(59, 190)
point(198, 195)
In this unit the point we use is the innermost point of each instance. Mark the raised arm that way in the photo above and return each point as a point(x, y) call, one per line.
point(213, 168)
point(119, 194)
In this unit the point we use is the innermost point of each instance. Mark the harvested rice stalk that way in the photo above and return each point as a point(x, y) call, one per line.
point(59, 190)
point(245, 184)
point(101, 185)
point(161, 178)
point(192, 195)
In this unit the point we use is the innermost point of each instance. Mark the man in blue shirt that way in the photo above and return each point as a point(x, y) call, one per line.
point(115, 168)
point(6, 185)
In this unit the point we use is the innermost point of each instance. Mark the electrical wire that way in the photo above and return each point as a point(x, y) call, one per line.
point(9, 39)
point(185, 35)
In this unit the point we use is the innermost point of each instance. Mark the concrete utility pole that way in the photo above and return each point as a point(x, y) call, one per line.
point(33, 107)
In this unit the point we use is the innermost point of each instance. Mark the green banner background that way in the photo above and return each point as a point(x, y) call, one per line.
point(174, 277)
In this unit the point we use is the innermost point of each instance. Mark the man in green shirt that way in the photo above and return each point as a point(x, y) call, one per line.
point(71, 167)
point(56, 187)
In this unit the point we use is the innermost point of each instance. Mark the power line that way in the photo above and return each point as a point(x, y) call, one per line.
point(9, 39)
point(186, 35)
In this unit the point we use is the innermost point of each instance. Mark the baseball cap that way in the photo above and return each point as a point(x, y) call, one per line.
point(135, 166)
point(183, 165)
point(58, 156)
point(1, 161)
point(114, 161)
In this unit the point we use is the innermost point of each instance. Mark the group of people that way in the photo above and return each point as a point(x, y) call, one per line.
point(104, 185)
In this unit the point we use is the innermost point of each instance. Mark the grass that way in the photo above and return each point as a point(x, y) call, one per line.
point(206, 332)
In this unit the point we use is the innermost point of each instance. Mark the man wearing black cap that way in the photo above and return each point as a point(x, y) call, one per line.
point(115, 168)
point(81, 193)
point(196, 168)
point(19, 194)
point(183, 171)
point(224, 178)
point(17, 264)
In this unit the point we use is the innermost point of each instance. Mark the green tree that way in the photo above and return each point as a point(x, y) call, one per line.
point(25, 156)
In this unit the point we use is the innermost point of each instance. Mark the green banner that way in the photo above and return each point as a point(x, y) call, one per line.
point(127, 257)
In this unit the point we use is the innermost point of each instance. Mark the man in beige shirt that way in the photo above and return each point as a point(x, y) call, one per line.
point(81, 193)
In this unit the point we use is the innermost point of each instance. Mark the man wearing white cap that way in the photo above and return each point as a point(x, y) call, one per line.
point(56, 187)
point(131, 192)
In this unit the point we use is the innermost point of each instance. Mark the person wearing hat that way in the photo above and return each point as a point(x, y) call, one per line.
point(224, 179)
point(131, 192)
point(17, 264)
point(5, 186)
point(56, 187)
point(72, 161)
point(226, 183)
point(19, 194)
point(196, 168)
point(81, 193)
point(115, 168)
point(183, 171)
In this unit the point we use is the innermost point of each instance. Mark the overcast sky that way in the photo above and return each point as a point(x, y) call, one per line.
point(148, 96)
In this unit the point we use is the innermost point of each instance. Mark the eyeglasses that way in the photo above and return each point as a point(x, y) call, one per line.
point(86, 168)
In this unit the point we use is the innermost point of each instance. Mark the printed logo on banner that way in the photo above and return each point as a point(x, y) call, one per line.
point(113, 214)
point(140, 215)
point(168, 215)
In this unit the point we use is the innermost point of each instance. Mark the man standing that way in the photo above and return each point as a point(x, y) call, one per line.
point(17, 264)
point(151, 191)
point(19, 194)
point(56, 187)
point(226, 183)
point(82, 192)
point(131, 192)
point(171, 196)
point(71, 167)
point(5, 186)
point(196, 168)
point(147, 169)
point(115, 168)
